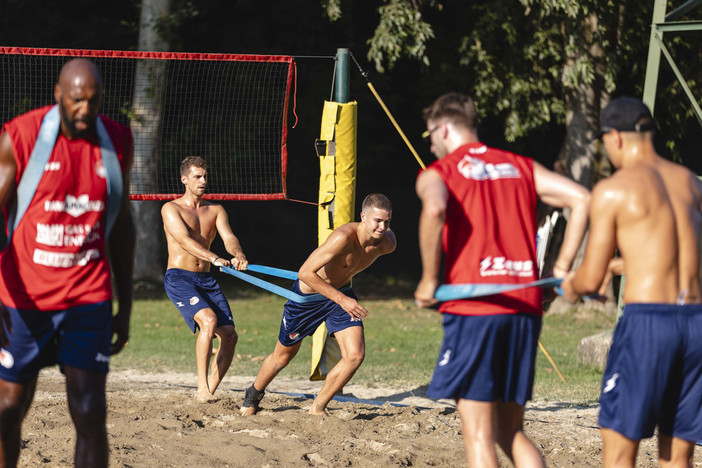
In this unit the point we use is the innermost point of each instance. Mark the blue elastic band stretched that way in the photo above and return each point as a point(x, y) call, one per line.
point(451, 292)
point(280, 273)
point(274, 288)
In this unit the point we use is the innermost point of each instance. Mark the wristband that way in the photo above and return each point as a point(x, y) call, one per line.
point(213, 261)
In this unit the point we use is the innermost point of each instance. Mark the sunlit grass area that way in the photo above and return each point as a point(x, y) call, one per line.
point(402, 341)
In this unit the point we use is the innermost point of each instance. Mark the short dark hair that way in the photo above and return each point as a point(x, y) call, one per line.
point(190, 161)
point(458, 108)
point(376, 200)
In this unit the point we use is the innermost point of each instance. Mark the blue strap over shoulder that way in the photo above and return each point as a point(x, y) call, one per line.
point(43, 147)
point(113, 171)
point(48, 132)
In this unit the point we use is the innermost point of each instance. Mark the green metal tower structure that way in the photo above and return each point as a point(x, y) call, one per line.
point(669, 23)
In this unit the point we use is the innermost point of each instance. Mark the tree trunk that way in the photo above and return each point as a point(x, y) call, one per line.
point(581, 154)
point(146, 124)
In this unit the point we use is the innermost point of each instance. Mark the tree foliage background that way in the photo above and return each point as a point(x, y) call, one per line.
point(540, 71)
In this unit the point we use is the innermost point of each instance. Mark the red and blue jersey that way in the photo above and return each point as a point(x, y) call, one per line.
point(57, 256)
point(490, 231)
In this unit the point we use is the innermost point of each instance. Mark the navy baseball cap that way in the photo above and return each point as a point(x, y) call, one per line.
point(626, 114)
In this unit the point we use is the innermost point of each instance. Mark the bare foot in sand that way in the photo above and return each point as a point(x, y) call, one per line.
point(204, 396)
point(247, 410)
point(317, 411)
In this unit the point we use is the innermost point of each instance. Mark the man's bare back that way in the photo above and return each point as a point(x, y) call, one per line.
point(685, 193)
point(650, 209)
point(634, 204)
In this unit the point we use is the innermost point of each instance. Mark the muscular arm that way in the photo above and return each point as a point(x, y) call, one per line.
point(433, 193)
point(231, 242)
point(336, 244)
point(178, 230)
point(121, 244)
point(8, 172)
point(561, 192)
point(588, 278)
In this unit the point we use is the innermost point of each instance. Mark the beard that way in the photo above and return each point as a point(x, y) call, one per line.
point(70, 124)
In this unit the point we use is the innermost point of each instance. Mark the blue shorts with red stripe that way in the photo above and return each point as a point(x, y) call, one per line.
point(487, 358)
point(301, 319)
point(78, 337)
point(191, 292)
point(654, 373)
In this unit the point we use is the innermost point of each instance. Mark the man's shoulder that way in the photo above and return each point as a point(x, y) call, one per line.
point(346, 231)
point(389, 241)
point(121, 134)
point(29, 120)
point(172, 205)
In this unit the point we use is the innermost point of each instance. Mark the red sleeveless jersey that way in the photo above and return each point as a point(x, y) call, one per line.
point(56, 258)
point(489, 235)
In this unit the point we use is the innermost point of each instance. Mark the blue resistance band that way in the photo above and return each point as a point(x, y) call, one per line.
point(451, 292)
point(275, 289)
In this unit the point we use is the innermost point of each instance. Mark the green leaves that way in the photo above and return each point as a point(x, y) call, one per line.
point(401, 32)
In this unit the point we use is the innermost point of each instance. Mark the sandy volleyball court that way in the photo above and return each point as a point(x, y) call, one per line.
point(155, 421)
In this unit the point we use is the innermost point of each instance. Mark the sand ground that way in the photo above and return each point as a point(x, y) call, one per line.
point(155, 421)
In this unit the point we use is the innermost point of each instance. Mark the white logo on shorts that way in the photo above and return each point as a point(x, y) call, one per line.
point(99, 357)
point(194, 300)
point(285, 324)
point(445, 359)
point(180, 304)
point(6, 359)
point(611, 383)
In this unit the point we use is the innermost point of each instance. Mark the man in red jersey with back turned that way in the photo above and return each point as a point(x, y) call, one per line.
point(64, 186)
point(483, 200)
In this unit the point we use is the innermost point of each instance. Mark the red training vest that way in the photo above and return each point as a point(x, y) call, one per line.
point(56, 258)
point(489, 235)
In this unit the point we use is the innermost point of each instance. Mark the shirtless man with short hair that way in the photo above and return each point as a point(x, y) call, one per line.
point(651, 210)
point(328, 270)
point(191, 225)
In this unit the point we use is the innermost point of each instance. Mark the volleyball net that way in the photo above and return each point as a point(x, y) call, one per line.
point(230, 109)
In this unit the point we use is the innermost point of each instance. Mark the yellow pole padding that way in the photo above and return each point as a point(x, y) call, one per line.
point(336, 149)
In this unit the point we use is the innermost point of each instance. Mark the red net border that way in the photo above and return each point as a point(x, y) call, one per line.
point(185, 56)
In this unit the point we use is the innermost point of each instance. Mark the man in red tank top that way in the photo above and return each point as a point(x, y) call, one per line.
point(479, 204)
point(55, 285)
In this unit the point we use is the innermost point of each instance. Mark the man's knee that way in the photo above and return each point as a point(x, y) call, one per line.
point(207, 321)
point(282, 355)
point(228, 337)
point(14, 403)
point(88, 410)
point(355, 357)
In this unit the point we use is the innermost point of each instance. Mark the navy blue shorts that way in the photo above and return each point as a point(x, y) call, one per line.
point(191, 292)
point(303, 319)
point(487, 358)
point(78, 337)
point(654, 373)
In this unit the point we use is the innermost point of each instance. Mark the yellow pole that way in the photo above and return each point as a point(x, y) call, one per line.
point(397, 127)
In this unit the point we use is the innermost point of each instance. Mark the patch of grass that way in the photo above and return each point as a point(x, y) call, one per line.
point(402, 344)
point(560, 335)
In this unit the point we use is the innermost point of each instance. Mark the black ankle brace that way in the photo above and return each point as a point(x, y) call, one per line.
point(252, 397)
